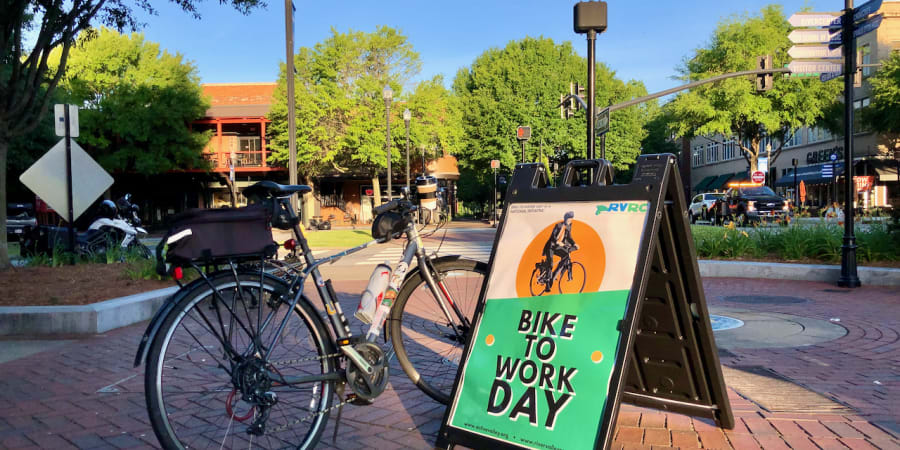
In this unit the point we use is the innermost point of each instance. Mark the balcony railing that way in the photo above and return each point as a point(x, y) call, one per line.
point(241, 159)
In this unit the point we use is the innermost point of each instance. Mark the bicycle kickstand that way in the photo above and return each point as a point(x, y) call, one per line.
point(337, 420)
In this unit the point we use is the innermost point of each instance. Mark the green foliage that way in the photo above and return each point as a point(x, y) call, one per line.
point(795, 243)
point(474, 189)
point(138, 102)
point(339, 105)
point(733, 107)
point(883, 114)
point(521, 84)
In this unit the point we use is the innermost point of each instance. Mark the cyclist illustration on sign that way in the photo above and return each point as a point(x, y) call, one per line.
point(568, 273)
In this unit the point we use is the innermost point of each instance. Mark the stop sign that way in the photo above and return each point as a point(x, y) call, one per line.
point(758, 176)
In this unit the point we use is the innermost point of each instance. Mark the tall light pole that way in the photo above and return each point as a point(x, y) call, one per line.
point(849, 275)
point(292, 122)
point(388, 94)
point(406, 116)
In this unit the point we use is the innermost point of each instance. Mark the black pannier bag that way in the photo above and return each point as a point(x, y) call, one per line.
point(210, 235)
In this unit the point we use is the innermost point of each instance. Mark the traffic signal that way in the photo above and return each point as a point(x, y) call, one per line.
point(523, 133)
point(764, 81)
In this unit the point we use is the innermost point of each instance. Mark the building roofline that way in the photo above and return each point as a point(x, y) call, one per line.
point(257, 83)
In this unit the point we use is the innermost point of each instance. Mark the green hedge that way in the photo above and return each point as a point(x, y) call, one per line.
point(821, 243)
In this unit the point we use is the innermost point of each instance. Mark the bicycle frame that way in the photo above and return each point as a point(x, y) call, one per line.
point(338, 321)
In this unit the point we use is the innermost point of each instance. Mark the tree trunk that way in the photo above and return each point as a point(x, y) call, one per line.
point(308, 208)
point(4, 246)
point(231, 191)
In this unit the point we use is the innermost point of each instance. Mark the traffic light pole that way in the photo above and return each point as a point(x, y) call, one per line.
point(591, 113)
point(849, 276)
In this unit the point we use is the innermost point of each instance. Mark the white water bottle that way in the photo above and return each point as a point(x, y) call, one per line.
point(374, 293)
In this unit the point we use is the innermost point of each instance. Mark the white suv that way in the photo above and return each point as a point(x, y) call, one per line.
point(700, 204)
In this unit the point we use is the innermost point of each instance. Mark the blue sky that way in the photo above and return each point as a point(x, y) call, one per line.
point(645, 41)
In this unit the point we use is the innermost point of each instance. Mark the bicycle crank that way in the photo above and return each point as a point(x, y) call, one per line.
point(367, 387)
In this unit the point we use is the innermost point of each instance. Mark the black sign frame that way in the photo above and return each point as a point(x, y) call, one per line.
point(666, 267)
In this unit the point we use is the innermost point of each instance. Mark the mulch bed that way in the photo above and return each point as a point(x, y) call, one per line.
point(80, 284)
point(886, 264)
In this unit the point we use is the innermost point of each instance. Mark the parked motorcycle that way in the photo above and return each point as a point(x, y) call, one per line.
point(116, 224)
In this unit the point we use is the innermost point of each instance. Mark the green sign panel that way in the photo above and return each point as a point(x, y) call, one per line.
point(549, 333)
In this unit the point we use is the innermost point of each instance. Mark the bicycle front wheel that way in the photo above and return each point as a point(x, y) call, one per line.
point(428, 348)
point(209, 382)
point(572, 281)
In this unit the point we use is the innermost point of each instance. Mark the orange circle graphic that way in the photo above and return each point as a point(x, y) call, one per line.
point(489, 340)
point(597, 356)
point(590, 254)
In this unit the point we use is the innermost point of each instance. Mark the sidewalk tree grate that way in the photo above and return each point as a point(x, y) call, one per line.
point(775, 393)
point(765, 299)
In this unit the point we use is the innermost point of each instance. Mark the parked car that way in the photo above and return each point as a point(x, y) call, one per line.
point(745, 203)
point(701, 204)
point(19, 219)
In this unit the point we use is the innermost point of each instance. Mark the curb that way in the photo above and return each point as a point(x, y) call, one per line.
point(82, 319)
point(868, 276)
point(104, 316)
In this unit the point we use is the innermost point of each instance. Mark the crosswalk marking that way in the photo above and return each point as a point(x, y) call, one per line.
point(477, 252)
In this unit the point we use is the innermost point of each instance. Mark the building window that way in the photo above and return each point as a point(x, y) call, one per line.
point(866, 53)
point(819, 134)
point(712, 152)
point(697, 156)
point(249, 143)
point(729, 150)
point(794, 138)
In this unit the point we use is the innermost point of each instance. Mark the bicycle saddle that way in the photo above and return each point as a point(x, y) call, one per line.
point(266, 187)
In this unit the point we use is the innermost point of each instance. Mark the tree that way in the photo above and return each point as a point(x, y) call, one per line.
point(138, 102)
point(733, 108)
point(883, 114)
point(26, 82)
point(521, 84)
point(338, 99)
point(436, 122)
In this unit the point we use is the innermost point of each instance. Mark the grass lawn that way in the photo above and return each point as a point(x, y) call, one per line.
point(338, 238)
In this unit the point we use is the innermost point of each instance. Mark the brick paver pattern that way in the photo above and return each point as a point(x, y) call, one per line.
point(87, 395)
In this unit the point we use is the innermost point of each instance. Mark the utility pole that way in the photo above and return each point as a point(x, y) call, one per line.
point(849, 276)
point(292, 121)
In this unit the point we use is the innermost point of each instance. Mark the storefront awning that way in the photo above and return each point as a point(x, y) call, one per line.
point(720, 181)
point(701, 186)
point(885, 169)
point(810, 175)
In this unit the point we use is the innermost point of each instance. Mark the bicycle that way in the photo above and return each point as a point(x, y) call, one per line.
point(541, 282)
point(240, 355)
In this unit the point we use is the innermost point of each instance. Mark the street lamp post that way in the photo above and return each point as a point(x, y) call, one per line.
point(406, 117)
point(388, 94)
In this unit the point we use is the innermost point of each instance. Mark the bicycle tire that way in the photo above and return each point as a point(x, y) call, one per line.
point(431, 364)
point(178, 415)
point(531, 283)
point(562, 273)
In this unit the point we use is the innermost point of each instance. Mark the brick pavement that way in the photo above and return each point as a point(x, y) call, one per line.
point(51, 399)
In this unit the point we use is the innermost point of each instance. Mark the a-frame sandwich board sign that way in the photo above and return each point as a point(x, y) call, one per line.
point(619, 314)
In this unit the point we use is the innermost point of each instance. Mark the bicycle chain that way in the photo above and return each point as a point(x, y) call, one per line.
point(310, 416)
point(299, 360)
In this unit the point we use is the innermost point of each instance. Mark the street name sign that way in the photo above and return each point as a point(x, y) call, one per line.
point(864, 10)
point(819, 36)
point(47, 178)
point(808, 20)
point(815, 52)
point(602, 122)
point(630, 324)
point(828, 76)
point(813, 66)
point(868, 26)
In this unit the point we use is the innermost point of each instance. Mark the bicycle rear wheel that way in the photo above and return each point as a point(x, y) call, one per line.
point(427, 347)
point(208, 382)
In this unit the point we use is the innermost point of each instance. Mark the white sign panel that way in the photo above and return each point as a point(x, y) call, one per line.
point(59, 119)
point(762, 164)
point(47, 179)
